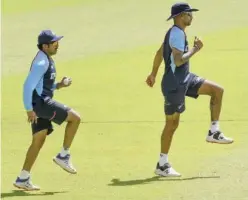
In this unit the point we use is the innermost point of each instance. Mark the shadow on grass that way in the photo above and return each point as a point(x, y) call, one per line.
point(22, 193)
point(118, 182)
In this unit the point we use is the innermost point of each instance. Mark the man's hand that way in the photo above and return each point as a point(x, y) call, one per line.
point(65, 82)
point(32, 116)
point(150, 80)
point(198, 43)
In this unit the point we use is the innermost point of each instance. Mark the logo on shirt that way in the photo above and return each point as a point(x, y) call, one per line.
point(53, 76)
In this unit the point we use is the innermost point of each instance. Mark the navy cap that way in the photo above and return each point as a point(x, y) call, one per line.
point(178, 8)
point(47, 37)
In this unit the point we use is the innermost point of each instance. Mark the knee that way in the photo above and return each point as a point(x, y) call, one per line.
point(221, 91)
point(38, 143)
point(218, 91)
point(74, 116)
point(175, 124)
point(172, 125)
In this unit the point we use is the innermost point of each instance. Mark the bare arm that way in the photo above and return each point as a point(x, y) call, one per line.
point(157, 61)
point(180, 57)
point(156, 64)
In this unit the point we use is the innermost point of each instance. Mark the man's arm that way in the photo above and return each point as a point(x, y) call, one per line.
point(34, 76)
point(180, 57)
point(157, 61)
point(177, 44)
point(57, 86)
point(156, 64)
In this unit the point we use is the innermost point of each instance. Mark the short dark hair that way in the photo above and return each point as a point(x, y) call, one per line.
point(40, 46)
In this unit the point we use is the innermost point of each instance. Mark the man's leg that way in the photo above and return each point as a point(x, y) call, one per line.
point(163, 167)
point(174, 104)
point(216, 93)
point(23, 180)
point(172, 122)
point(34, 149)
point(73, 121)
point(59, 113)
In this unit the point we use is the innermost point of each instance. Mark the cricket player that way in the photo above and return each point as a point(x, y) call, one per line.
point(42, 110)
point(179, 82)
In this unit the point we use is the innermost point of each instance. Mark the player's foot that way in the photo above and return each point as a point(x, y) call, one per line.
point(218, 137)
point(25, 184)
point(166, 170)
point(65, 163)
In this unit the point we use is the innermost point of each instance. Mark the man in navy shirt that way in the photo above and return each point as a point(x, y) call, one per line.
point(42, 110)
point(178, 82)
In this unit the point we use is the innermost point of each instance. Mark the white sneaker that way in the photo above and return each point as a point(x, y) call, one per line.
point(166, 170)
point(65, 163)
point(25, 184)
point(218, 137)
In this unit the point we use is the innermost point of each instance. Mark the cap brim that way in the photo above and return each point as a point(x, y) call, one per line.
point(188, 10)
point(57, 38)
point(192, 10)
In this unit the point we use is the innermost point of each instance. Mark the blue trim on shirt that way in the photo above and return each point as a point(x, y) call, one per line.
point(177, 39)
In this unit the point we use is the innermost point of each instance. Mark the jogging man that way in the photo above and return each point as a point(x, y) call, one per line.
point(178, 82)
point(42, 110)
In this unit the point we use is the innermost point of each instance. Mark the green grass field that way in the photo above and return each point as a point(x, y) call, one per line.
point(108, 51)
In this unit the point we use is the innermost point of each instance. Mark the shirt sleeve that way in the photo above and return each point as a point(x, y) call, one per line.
point(177, 39)
point(36, 73)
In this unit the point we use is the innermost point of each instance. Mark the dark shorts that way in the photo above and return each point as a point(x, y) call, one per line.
point(48, 111)
point(175, 98)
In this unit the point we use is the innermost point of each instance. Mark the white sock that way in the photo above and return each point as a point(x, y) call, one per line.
point(24, 174)
point(214, 126)
point(64, 152)
point(163, 159)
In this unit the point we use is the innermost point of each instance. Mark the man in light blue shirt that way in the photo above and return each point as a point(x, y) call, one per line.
point(178, 82)
point(42, 110)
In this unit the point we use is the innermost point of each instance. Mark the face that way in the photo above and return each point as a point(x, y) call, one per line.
point(51, 49)
point(186, 18)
